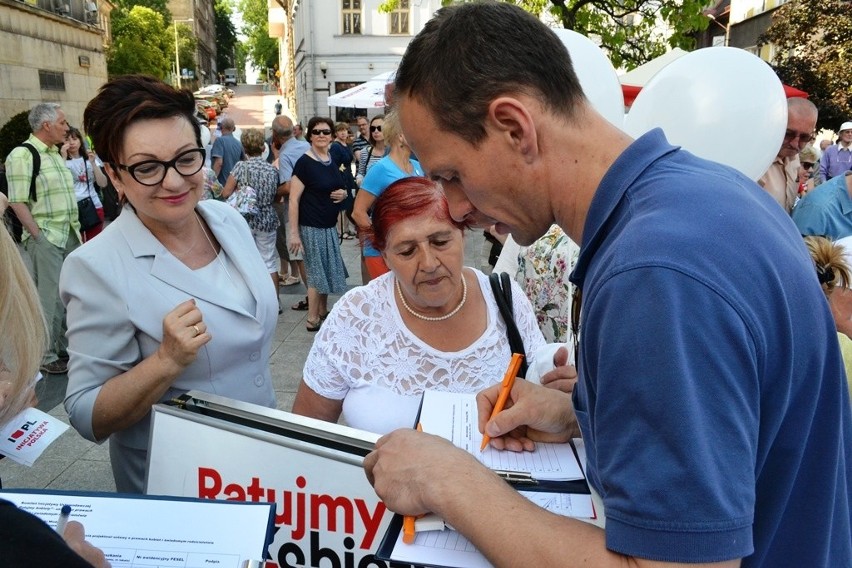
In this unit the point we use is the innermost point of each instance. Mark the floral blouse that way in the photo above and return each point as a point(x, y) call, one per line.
point(543, 270)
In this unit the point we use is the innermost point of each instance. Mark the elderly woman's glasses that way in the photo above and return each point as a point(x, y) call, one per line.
point(152, 172)
point(321, 132)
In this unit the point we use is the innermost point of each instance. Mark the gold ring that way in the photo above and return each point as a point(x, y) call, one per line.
point(197, 331)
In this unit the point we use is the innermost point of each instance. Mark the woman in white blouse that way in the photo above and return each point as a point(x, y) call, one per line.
point(87, 173)
point(429, 323)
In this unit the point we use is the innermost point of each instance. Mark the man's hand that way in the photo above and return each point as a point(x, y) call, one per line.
point(533, 414)
point(415, 473)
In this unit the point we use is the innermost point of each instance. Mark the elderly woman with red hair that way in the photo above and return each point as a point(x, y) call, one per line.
point(429, 323)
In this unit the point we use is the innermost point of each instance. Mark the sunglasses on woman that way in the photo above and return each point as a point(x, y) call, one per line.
point(321, 132)
point(377, 128)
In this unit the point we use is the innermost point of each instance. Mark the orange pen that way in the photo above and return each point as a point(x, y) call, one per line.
point(408, 531)
point(505, 389)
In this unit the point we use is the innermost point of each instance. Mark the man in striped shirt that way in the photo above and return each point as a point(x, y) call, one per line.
point(50, 221)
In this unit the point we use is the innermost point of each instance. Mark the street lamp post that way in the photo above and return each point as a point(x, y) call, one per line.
point(177, 57)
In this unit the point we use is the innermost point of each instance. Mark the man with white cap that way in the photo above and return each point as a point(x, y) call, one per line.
point(837, 158)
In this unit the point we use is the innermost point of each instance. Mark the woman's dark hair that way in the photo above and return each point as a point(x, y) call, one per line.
point(129, 99)
point(370, 132)
point(312, 123)
point(79, 136)
point(403, 199)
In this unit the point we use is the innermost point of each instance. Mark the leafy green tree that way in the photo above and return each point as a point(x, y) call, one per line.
point(187, 43)
point(226, 35)
point(141, 43)
point(631, 32)
point(812, 39)
point(262, 50)
point(159, 6)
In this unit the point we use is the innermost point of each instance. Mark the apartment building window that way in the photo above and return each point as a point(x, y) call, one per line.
point(352, 17)
point(51, 80)
point(399, 18)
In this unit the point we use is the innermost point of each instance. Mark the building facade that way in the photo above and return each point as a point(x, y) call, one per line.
point(52, 51)
point(749, 19)
point(328, 46)
point(199, 15)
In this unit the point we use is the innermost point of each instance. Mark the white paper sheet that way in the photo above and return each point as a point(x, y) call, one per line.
point(454, 416)
point(136, 532)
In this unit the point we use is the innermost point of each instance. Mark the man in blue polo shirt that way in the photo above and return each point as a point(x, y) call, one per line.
point(826, 210)
point(711, 393)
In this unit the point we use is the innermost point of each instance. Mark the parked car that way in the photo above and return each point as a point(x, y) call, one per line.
point(218, 101)
point(206, 108)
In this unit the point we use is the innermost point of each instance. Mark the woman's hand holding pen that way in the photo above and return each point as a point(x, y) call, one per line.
point(533, 414)
point(184, 332)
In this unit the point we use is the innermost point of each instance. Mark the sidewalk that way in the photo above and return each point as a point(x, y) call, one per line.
point(75, 464)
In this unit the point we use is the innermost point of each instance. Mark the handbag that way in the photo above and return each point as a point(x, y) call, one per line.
point(88, 214)
point(244, 197)
point(502, 288)
point(89, 218)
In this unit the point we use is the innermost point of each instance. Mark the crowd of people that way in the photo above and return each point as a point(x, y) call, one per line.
point(668, 307)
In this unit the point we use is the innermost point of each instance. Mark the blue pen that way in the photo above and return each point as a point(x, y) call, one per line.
point(63, 519)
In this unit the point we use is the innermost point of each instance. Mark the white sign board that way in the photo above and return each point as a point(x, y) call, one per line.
point(327, 514)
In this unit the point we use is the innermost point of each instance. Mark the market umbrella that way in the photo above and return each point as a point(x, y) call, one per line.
point(370, 94)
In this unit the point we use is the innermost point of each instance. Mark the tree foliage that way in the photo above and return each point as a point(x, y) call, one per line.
point(631, 32)
point(141, 43)
point(159, 6)
point(261, 50)
point(226, 35)
point(812, 39)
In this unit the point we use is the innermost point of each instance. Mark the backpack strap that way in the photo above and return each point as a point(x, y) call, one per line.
point(36, 169)
point(502, 288)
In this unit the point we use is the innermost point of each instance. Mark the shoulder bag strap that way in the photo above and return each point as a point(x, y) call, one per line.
point(502, 288)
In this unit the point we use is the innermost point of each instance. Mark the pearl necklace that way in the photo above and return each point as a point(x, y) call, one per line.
point(433, 318)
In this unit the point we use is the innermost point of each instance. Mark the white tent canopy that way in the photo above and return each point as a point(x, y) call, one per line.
point(640, 76)
point(370, 94)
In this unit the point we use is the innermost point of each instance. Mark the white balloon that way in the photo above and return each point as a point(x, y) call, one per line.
point(596, 74)
point(720, 103)
point(205, 136)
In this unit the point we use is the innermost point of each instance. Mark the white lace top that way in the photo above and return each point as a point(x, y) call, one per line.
point(365, 355)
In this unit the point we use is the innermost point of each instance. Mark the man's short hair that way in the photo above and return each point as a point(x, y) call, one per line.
point(469, 54)
point(282, 127)
point(41, 113)
point(227, 123)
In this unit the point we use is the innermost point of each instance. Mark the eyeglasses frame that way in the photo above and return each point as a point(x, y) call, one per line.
point(131, 169)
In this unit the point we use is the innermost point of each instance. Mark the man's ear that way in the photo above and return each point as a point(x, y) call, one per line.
point(509, 117)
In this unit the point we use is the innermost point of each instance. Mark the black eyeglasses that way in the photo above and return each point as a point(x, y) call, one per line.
point(321, 132)
point(576, 305)
point(807, 165)
point(377, 128)
point(152, 172)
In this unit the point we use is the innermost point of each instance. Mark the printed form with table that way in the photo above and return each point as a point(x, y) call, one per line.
point(550, 476)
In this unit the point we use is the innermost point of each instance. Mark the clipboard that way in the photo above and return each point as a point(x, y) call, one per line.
point(465, 554)
point(126, 526)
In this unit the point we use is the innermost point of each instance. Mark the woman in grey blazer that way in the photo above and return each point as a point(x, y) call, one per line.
point(173, 295)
